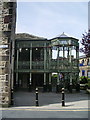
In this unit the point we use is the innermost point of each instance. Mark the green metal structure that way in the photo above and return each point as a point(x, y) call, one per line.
point(36, 59)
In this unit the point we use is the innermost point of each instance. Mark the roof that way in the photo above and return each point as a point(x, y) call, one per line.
point(63, 36)
point(26, 36)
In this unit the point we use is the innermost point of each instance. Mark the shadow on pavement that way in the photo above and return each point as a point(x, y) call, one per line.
point(22, 98)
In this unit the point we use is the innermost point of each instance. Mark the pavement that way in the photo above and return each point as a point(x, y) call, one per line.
point(50, 105)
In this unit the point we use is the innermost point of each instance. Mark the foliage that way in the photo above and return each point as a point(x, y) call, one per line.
point(83, 79)
point(54, 75)
point(85, 43)
point(83, 82)
point(54, 79)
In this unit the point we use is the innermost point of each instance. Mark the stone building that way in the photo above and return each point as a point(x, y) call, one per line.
point(84, 66)
point(7, 31)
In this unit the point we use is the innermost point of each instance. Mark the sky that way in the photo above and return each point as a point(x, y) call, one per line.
point(50, 19)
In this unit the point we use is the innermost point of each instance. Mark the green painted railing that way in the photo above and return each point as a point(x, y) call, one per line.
point(50, 65)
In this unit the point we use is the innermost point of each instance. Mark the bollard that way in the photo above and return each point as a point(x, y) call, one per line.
point(63, 97)
point(37, 104)
point(12, 97)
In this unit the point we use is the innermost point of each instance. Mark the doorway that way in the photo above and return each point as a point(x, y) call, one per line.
point(37, 80)
point(23, 81)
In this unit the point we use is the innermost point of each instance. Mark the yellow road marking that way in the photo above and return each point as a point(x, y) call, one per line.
point(46, 109)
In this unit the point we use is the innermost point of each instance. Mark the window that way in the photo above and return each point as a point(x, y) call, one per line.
point(88, 62)
point(10, 11)
point(82, 61)
point(11, 4)
point(83, 72)
point(88, 73)
point(7, 19)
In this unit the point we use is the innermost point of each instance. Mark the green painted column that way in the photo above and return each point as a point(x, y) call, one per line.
point(70, 78)
point(30, 78)
point(77, 51)
point(70, 60)
point(63, 52)
point(70, 51)
point(44, 86)
point(49, 58)
point(78, 81)
point(12, 65)
point(58, 84)
point(57, 87)
point(17, 67)
point(58, 58)
point(50, 85)
point(44, 78)
point(58, 79)
point(30, 82)
point(31, 56)
point(45, 56)
point(70, 87)
point(50, 78)
point(45, 64)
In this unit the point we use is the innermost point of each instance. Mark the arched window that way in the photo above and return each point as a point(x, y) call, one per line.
point(83, 72)
point(88, 73)
point(88, 61)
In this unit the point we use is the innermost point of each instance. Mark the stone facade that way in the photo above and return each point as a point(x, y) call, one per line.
point(84, 66)
point(7, 31)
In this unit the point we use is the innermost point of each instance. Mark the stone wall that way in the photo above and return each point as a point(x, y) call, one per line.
point(7, 31)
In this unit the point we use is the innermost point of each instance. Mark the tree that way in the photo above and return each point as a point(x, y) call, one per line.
point(86, 43)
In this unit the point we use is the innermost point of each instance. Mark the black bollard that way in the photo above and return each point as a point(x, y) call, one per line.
point(37, 104)
point(63, 97)
point(12, 97)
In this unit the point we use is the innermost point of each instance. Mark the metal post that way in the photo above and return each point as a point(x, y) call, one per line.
point(63, 97)
point(12, 100)
point(37, 104)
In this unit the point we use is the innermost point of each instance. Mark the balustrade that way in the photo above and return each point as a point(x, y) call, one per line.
point(63, 64)
point(35, 65)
